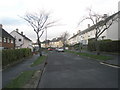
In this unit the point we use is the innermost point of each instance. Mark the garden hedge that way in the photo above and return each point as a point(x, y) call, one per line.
point(105, 45)
point(10, 56)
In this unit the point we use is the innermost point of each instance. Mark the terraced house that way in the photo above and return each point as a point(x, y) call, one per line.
point(7, 41)
point(89, 33)
point(54, 43)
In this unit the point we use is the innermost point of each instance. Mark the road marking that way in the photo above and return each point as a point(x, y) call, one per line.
point(109, 65)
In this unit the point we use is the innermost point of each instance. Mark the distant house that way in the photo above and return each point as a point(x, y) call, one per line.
point(6, 40)
point(21, 41)
point(54, 43)
point(45, 44)
point(74, 39)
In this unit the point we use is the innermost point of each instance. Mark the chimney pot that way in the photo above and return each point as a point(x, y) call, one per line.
point(16, 29)
point(88, 25)
point(22, 33)
point(79, 31)
point(105, 16)
point(1, 25)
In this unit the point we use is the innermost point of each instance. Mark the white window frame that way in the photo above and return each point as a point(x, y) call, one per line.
point(8, 40)
point(4, 40)
point(11, 40)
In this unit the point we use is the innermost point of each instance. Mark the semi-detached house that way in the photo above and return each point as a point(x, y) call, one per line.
point(21, 41)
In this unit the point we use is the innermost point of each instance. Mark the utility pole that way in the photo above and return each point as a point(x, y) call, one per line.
point(46, 39)
point(80, 42)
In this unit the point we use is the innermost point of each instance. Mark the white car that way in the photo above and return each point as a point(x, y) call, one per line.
point(60, 50)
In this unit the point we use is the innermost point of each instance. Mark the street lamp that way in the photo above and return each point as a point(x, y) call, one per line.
point(80, 43)
point(46, 38)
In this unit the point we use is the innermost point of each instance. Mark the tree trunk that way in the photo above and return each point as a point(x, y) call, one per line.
point(63, 45)
point(39, 44)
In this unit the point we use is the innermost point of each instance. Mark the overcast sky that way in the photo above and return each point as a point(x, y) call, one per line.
point(67, 12)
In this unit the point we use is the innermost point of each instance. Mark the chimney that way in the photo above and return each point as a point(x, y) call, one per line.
point(88, 25)
point(22, 33)
point(16, 29)
point(79, 31)
point(105, 16)
point(1, 25)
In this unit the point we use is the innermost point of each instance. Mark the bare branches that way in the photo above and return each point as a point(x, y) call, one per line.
point(94, 17)
point(64, 38)
point(100, 23)
point(39, 21)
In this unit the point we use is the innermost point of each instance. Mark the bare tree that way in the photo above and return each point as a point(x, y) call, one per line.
point(100, 24)
point(64, 38)
point(39, 22)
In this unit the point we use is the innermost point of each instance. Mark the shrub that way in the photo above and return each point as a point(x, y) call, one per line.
point(105, 45)
point(12, 55)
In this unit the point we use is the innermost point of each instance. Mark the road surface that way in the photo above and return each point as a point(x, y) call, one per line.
point(65, 70)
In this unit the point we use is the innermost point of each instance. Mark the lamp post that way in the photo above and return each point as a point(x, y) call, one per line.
point(80, 42)
point(46, 39)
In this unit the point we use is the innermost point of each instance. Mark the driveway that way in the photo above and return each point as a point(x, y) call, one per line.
point(65, 70)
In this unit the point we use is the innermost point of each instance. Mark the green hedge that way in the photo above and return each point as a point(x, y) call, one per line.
point(10, 56)
point(105, 45)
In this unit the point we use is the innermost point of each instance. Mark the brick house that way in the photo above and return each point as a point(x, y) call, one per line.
point(6, 40)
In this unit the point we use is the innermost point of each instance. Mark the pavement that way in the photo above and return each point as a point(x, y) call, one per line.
point(66, 70)
point(13, 71)
point(114, 61)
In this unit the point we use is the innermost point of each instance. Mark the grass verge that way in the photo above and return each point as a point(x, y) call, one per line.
point(38, 61)
point(98, 57)
point(21, 80)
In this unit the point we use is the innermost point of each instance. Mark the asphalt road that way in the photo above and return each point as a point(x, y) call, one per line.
point(66, 70)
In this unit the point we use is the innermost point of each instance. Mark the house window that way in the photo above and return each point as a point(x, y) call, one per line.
point(103, 37)
point(8, 40)
point(11, 41)
point(4, 39)
point(19, 40)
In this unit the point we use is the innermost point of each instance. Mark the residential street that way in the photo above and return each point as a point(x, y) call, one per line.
point(65, 70)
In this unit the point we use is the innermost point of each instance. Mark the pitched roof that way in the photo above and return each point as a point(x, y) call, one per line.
point(56, 39)
point(6, 34)
point(24, 36)
point(100, 23)
point(46, 41)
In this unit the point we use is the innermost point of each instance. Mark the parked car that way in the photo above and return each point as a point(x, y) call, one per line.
point(50, 49)
point(60, 50)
